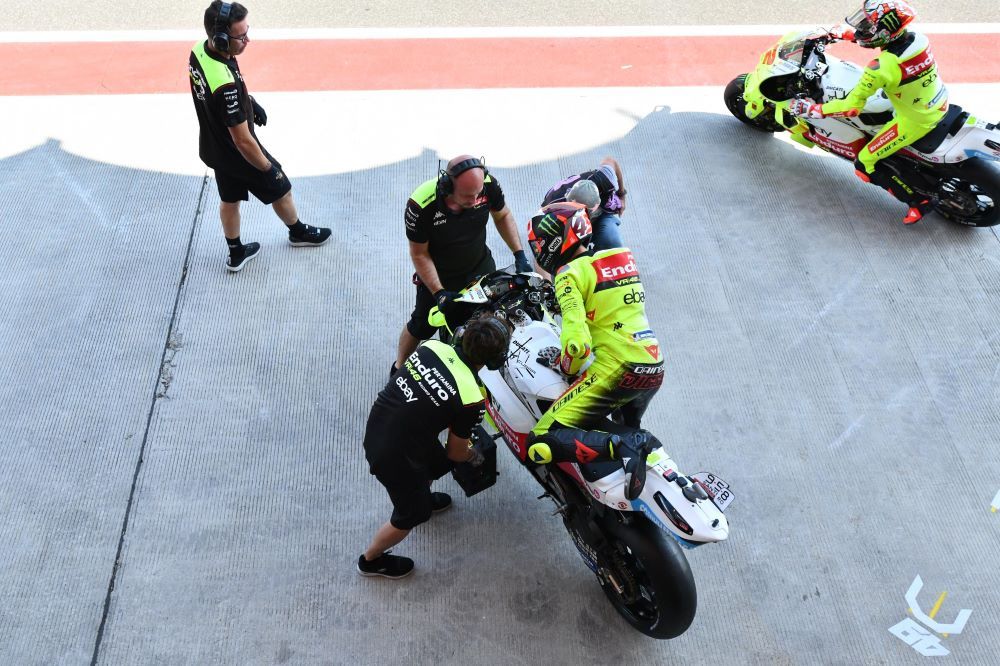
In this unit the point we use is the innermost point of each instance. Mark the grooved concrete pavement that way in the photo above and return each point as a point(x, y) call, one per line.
point(837, 368)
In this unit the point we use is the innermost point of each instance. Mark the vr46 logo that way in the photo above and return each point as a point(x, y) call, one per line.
point(918, 635)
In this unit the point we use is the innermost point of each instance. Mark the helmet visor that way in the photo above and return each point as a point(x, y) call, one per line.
point(861, 22)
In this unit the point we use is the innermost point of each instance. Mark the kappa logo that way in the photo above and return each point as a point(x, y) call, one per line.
point(439, 218)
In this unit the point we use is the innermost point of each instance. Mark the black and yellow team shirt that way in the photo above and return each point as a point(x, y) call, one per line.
point(222, 101)
point(457, 241)
point(434, 390)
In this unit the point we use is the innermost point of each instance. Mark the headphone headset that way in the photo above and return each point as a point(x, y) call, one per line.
point(446, 177)
point(220, 38)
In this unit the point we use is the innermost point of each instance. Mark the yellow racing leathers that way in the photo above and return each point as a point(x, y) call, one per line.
point(605, 334)
point(907, 72)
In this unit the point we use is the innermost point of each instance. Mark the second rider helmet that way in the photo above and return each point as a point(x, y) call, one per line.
point(879, 22)
point(555, 233)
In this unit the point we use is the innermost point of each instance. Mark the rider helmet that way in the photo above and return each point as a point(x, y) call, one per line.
point(879, 22)
point(585, 192)
point(555, 233)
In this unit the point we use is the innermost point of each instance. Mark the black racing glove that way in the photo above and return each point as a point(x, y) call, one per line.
point(549, 357)
point(259, 115)
point(444, 299)
point(275, 172)
point(521, 263)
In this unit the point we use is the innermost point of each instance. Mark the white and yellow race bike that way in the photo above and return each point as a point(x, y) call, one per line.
point(951, 166)
point(631, 519)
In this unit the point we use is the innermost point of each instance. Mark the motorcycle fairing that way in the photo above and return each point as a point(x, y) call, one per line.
point(642, 507)
point(846, 136)
point(838, 137)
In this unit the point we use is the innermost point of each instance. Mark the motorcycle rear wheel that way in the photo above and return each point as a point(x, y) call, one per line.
point(733, 95)
point(971, 196)
point(667, 599)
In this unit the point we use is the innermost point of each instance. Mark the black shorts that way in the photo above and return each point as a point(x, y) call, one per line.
point(237, 187)
point(409, 490)
point(406, 480)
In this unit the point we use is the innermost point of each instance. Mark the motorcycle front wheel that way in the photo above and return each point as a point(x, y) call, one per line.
point(733, 95)
point(654, 588)
point(971, 195)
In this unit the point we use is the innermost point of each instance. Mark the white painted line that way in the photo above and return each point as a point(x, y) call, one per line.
point(457, 33)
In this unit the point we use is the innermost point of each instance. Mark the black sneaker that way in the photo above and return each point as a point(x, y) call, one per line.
point(440, 502)
point(236, 264)
point(386, 565)
point(309, 236)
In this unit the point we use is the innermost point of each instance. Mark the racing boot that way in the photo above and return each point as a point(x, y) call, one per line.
point(917, 211)
point(572, 445)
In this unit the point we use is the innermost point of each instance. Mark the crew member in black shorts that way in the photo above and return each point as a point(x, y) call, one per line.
point(436, 388)
point(227, 141)
point(446, 225)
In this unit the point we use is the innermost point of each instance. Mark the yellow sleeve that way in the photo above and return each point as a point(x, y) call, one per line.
point(875, 77)
point(575, 337)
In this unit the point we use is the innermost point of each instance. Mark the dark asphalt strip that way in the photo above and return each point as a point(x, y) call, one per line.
point(157, 394)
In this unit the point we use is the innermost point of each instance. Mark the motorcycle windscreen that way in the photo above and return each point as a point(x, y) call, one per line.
point(792, 51)
point(793, 45)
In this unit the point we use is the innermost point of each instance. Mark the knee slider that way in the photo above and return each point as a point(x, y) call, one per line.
point(540, 453)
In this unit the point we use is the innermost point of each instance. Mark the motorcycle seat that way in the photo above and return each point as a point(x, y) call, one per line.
point(953, 121)
point(878, 118)
point(598, 470)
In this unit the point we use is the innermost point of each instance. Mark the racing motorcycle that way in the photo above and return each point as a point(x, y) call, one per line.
point(630, 519)
point(951, 166)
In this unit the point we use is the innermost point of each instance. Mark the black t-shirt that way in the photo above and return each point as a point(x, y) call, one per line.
point(457, 241)
point(433, 390)
point(221, 100)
